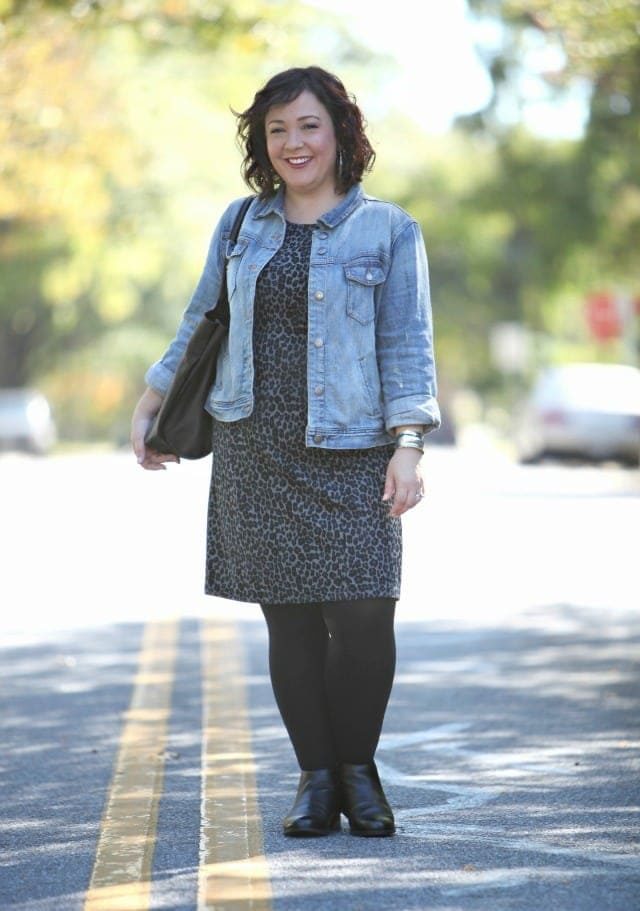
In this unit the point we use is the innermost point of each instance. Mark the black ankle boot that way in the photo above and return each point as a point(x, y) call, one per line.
point(363, 801)
point(316, 810)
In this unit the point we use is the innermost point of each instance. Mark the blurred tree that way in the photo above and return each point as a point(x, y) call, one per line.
point(521, 227)
point(116, 155)
point(63, 162)
point(596, 40)
point(573, 205)
point(598, 44)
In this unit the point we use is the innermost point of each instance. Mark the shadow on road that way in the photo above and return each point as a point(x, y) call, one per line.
point(509, 754)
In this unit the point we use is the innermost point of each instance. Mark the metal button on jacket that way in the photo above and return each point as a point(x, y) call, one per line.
point(319, 295)
point(318, 438)
point(318, 342)
point(369, 276)
point(318, 390)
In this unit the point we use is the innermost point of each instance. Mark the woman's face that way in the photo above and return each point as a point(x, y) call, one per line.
point(301, 144)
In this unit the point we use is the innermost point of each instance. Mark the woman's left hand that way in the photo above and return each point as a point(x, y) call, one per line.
point(404, 483)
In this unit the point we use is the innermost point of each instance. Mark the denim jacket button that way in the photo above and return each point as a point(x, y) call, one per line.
point(318, 438)
point(319, 295)
point(318, 390)
point(369, 276)
point(318, 342)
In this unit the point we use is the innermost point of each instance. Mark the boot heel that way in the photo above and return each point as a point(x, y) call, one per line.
point(316, 810)
point(364, 802)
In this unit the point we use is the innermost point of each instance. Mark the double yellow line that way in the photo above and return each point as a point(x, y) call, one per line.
point(233, 873)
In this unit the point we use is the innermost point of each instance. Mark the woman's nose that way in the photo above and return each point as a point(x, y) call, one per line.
point(294, 141)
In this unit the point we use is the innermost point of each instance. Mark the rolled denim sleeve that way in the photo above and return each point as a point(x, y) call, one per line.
point(205, 296)
point(404, 336)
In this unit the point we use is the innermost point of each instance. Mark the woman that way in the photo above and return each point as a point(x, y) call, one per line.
point(324, 390)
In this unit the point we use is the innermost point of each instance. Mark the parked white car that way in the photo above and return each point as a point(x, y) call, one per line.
point(26, 422)
point(591, 411)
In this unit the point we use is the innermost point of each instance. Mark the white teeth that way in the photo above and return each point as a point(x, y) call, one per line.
point(297, 160)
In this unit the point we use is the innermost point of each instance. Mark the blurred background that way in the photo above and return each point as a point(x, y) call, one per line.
point(508, 128)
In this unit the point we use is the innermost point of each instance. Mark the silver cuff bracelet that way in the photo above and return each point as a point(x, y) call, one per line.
point(410, 439)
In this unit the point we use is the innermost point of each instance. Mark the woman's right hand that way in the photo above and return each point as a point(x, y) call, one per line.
point(143, 415)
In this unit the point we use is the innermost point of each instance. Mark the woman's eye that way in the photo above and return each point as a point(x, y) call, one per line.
point(275, 130)
point(311, 126)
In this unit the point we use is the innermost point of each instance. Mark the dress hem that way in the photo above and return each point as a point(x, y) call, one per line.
point(350, 596)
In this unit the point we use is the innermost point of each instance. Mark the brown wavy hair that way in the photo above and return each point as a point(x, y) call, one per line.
point(355, 153)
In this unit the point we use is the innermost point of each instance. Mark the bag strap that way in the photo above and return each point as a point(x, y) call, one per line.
point(222, 307)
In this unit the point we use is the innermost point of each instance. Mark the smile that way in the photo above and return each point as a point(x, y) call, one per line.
point(297, 161)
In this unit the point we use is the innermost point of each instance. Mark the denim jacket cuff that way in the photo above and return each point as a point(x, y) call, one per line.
point(413, 410)
point(158, 377)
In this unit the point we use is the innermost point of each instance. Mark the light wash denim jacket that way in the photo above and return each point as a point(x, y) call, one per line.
point(370, 364)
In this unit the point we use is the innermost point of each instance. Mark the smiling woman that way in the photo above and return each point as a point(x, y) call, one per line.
point(318, 130)
point(301, 145)
point(325, 387)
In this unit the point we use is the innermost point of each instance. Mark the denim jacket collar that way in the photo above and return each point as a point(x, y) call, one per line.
point(332, 218)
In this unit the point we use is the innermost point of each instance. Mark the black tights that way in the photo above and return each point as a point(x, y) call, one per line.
point(332, 667)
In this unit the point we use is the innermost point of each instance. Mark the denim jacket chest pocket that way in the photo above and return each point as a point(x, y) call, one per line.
point(233, 260)
point(363, 277)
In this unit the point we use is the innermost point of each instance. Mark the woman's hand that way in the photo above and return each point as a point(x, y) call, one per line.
point(143, 415)
point(404, 483)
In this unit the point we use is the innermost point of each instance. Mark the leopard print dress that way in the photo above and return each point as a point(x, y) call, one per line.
point(288, 523)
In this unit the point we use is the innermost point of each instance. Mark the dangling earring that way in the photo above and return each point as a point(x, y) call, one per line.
point(339, 163)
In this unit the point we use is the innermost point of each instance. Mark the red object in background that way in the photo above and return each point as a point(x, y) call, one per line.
point(603, 316)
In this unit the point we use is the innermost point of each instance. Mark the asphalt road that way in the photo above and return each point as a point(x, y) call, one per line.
point(144, 764)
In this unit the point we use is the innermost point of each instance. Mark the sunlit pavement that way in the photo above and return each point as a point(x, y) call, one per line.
point(510, 750)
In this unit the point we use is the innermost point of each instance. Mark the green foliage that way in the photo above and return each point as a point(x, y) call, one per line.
point(599, 42)
point(574, 207)
point(116, 157)
point(94, 388)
